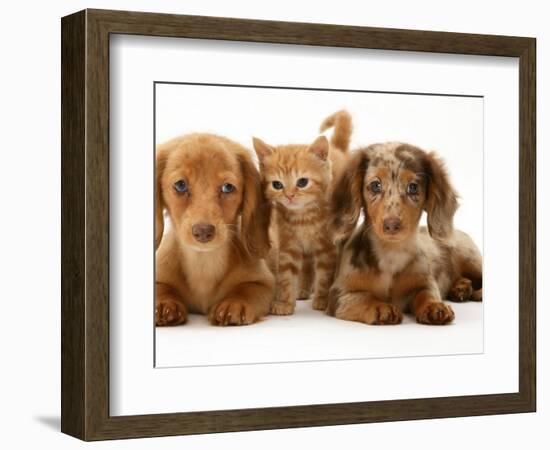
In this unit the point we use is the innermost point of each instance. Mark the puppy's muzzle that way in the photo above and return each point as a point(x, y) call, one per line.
point(392, 226)
point(203, 232)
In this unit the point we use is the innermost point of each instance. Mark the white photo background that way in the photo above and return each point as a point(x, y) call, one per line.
point(451, 125)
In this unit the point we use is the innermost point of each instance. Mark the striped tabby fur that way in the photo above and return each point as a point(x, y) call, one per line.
point(298, 182)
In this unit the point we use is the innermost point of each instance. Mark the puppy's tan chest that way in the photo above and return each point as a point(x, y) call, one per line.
point(393, 262)
point(390, 264)
point(203, 273)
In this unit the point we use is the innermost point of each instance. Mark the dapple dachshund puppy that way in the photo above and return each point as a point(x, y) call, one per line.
point(390, 265)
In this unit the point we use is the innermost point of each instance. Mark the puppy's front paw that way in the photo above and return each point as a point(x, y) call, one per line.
point(383, 314)
point(169, 312)
point(435, 313)
point(282, 308)
point(232, 312)
point(320, 303)
point(461, 291)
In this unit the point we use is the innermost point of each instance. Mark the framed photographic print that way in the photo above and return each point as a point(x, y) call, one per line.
point(270, 225)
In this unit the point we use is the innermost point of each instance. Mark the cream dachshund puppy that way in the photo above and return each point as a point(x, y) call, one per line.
point(210, 260)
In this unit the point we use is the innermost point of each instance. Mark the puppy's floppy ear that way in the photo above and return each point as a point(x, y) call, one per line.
point(161, 158)
point(441, 202)
point(255, 210)
point(347, 196)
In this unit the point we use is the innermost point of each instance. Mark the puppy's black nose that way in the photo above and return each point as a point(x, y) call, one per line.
point(203, 232)
point(392, 226)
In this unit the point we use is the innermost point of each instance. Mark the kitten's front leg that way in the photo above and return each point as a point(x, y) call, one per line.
point(306, 278)
point(287, 281)
point(325, 263)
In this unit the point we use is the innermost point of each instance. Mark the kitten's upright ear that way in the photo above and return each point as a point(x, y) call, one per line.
point(441, 202)
point(347, 197)
point(320, 148)
point(262, 149)
point(161, 158)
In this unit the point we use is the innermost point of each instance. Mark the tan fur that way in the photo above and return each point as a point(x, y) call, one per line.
point(409, 267)
point(300, 219)
point(306, 278)
point(343, 127)
point(226, 277)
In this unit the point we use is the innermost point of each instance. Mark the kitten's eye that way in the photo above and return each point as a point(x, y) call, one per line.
point(302, 182)
point(375, 187)
point(180, 186)
point(277, 185)
point(227, 188)
point(412, 188)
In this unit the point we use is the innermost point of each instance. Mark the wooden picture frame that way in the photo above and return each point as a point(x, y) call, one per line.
point(85, 224)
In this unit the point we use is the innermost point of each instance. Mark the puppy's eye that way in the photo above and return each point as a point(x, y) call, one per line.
point(412, 188)
point(180, 186)
point(375, 187)
point(302, 182)
point(277, 185)
point(227, 188)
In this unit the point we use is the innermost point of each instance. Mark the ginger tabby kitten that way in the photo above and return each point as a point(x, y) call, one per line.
point(298, 181)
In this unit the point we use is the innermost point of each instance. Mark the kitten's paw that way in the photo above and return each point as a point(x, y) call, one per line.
point(320, 303)
point(282, 308)
point(169, 312)
point(304, 294)
point(461, 291)
point(435, 313)
point(383, 314)
point(232, 312)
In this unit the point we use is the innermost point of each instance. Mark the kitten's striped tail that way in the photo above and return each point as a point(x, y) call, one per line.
point(341, 121)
